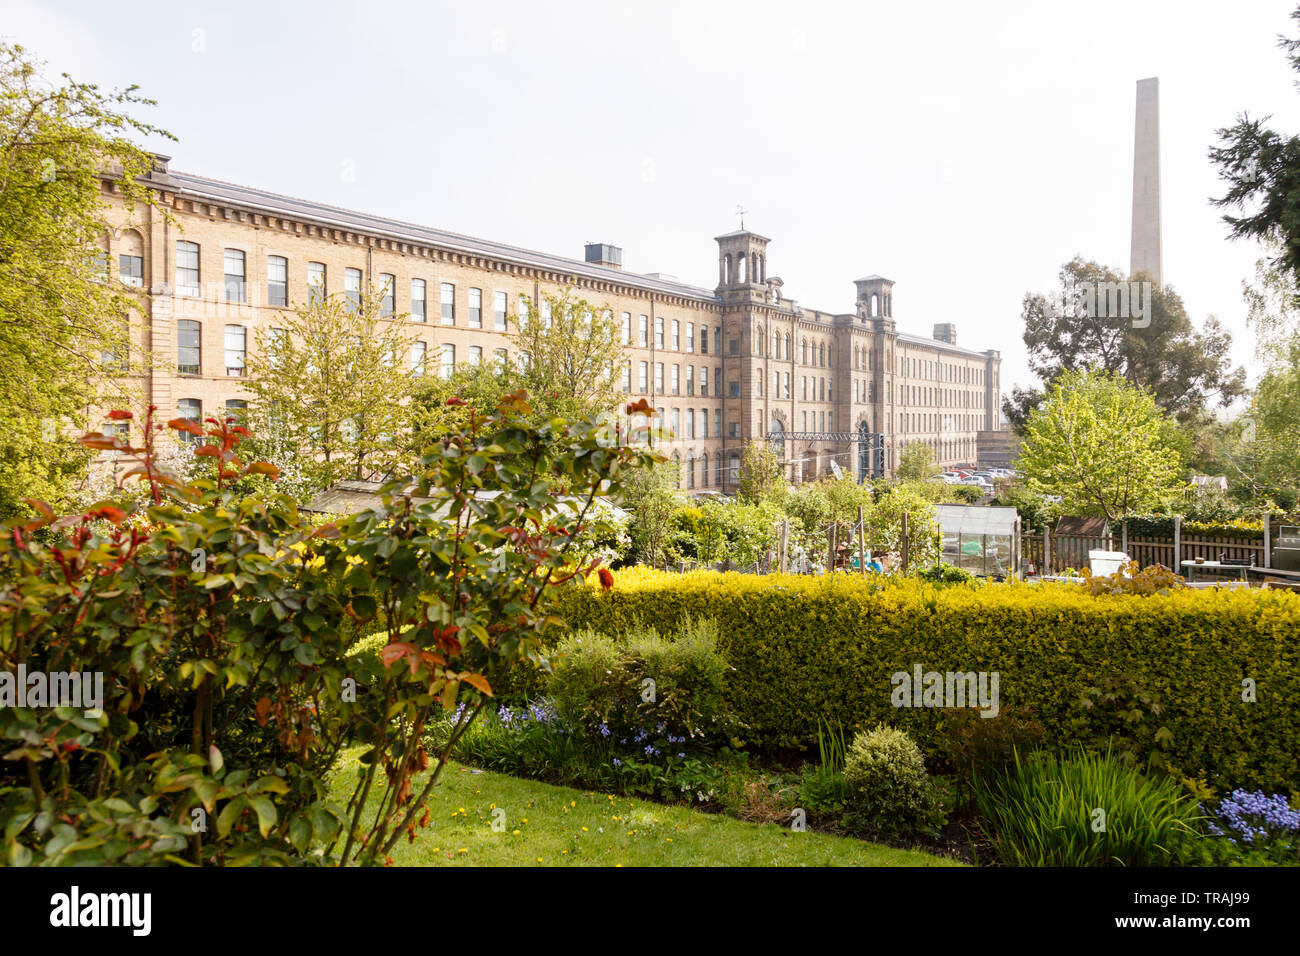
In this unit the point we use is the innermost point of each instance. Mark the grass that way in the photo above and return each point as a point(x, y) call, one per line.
point(546, 825)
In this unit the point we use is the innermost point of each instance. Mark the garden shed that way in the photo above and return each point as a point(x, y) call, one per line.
point(982, 540)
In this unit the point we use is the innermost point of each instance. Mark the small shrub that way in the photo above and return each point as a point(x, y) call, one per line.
point(943, 573)
point(1129, 579)
point(890, 790)
point(975, 745)
point(1083, 810)
point(621, 689)
point(822, 788)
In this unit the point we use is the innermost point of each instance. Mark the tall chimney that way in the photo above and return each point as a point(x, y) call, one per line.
point(1145, 250)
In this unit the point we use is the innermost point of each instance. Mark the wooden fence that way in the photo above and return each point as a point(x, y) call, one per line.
point(1071, 550)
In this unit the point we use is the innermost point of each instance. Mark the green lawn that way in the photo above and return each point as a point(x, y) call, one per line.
point(545, 825)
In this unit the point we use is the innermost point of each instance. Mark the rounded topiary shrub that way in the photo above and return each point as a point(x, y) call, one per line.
point(891, 792)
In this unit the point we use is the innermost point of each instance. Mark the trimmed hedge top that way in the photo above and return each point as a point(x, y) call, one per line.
point(810, 648)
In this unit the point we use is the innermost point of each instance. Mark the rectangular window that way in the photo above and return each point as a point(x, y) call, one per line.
point(448, 360)
point(704, 340)
point(352, 288)
point(418, 352)
point(717, 381)
point(690, 380)
point(690, 336)
point(758, 384)
point(521, 307)
point(235, 275)
point(524, 359)
point(677, 379)
point(659, 378)
point(190, 409)
point(448, 304)
point(717, 424)
point(627, 377)
point(733, 431)
point(476, 308)
point(187, 269)
point(189, 348)
point(627, 328)
point(387, 295)
point(787, 384)
point(733, 389)
point(503, 358)
point(130, 269)
point(704, 423)
point(475, 356)
point(734, 346)
point(690, 423)
point(677, 335)
point(645, 331)
point(659, 332)
point(419, 311)
point(236, 350)
point(277, 282)
point(499, 311)
point(316, 289)
point(704, 380)
point(546, 313)
point(643, 379)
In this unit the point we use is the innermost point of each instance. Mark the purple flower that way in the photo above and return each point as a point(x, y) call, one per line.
point(604, 730)
point(617, 762)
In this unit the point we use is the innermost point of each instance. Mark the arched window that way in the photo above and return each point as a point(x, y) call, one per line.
point(787, 345)
point(776, 345)
point(690, 469)
point(743, 262)
point(803, 352)
point(704, 469)
point(726, 269)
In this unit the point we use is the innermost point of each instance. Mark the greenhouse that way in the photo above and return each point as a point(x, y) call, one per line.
point(982, 540)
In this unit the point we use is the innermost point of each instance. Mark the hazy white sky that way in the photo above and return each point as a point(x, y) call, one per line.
point(965, 150)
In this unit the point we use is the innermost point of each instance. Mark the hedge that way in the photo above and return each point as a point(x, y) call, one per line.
point(805, 649)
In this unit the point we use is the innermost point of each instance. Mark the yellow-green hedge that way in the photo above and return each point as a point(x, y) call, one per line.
point(808, 648)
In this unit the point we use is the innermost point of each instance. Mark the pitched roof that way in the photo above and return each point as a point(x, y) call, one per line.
point(200, 187)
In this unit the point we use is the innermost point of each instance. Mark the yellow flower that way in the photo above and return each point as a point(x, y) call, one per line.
point(514, 833)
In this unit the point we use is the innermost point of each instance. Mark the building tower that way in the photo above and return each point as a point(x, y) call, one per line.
point(1145, 252)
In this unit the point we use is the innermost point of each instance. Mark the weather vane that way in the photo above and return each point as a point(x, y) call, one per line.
point(740, 211)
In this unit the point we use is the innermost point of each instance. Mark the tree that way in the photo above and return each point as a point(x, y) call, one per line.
point(1095, 321)
point(762, 477)
point(651, 495)
point(1101, 444)
point(572, 351)
point(916, 462)
point(334, 389)
point(63, 320)
point(1261, 168)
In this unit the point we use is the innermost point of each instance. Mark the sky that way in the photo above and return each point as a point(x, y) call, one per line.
point(965, 150)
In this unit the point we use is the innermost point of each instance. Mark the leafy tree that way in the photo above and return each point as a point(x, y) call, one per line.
point(761, 477)
point(63, 320)
point(1102, 445)
point(1261, 168)
point(572, 356)
point(334, 390)
point(651, 495)
point(1184, 369)
point(916, 462)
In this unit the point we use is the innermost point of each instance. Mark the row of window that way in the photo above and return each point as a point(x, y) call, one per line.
point(940, 371)
point(662, 337)
point(189, 351)
point(916, 422)
point(189, 283)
